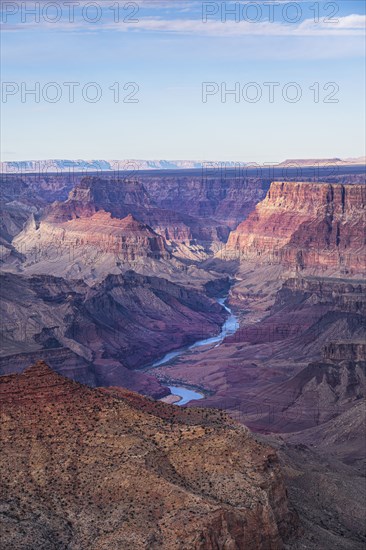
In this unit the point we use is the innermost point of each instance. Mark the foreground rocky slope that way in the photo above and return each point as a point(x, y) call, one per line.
point(306, 226)
point(82, 469)
point(328, 493)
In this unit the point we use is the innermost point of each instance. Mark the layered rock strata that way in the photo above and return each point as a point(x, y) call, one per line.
point(300, 366)
point(126, 238)
point(306, 226)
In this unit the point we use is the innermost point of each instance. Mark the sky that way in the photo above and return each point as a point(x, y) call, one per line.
point(151, 79)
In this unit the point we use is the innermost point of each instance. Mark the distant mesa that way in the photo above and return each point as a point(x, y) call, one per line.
point(64, 166)
point(102, 165)
point(323, 162)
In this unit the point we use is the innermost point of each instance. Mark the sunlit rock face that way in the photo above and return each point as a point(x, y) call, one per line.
point(306, 226)
point(126, 238)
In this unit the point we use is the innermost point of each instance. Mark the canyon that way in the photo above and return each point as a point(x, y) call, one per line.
point(104, 275)
point(98, 335)
point(283, 374)
point(220, 193)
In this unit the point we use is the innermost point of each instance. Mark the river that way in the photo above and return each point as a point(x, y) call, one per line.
point(187, 393)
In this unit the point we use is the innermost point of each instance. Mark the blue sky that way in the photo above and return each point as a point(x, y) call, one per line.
point(169, 52)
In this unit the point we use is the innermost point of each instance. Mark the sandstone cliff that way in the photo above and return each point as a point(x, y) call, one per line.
point(127, 238)
point(85, 470)
point(305, 226)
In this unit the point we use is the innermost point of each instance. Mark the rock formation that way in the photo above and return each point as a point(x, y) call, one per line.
point(301, 365)
point(97, 335)
point(187, 217)
point(84, 469)
point(326, 388)
point(306, 226)
point(99, 236)
point(180, 209)
point(110, 277)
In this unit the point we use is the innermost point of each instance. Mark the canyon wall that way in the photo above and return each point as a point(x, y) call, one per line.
point(126, 238)
point(107, 222)
point(306, 226)
point(180, 209)
point(98, 335)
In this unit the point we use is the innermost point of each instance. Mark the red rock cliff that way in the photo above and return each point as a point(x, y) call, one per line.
point(126, 238)
point(306, 225)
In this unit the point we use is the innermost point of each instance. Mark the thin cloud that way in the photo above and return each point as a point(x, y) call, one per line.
point(350, 25)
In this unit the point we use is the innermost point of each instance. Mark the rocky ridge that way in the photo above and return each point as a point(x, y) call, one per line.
point(89, 247)
point(84, 469)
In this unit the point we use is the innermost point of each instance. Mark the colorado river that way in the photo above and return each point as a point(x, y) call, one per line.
point(186, 394)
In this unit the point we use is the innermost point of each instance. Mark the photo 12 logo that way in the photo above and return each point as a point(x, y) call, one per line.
point(270, 92)
point(69, 12)
point(54, 92)
point(270, 12)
